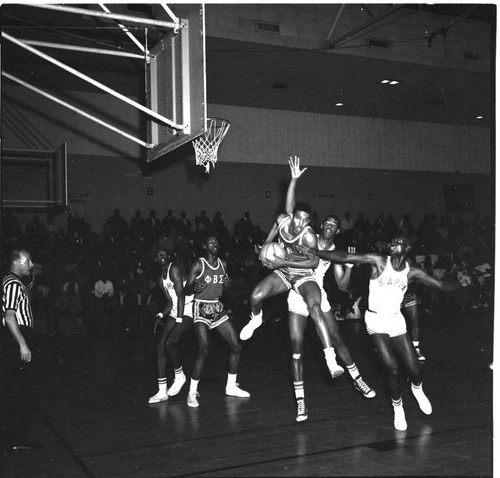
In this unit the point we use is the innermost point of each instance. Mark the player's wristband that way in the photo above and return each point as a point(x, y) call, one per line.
point(159, 315)
point(349, 265)
point(178, 320)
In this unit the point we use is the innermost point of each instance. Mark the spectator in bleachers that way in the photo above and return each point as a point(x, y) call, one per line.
point(116, 227)
point(184, 224)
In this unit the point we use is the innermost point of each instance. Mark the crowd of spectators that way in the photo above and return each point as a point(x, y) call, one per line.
point(105, 283)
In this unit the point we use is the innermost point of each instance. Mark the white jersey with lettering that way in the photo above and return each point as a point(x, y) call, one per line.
point(170, 287)
point(386, 292)
point(323, 265)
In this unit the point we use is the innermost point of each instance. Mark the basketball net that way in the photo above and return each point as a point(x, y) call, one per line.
point(77, 204)
point(207, 145)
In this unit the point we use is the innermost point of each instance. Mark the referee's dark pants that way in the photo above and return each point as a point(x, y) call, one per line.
point(13, 389)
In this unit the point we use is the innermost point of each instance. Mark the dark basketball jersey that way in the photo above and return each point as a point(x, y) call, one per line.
point(214, 278)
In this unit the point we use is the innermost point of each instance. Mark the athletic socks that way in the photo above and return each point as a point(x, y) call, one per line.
point(299, 389)
point(353, 371)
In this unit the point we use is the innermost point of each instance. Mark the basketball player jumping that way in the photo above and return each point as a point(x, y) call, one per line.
point(384, 321)
point(295, 271)
point(298, 312)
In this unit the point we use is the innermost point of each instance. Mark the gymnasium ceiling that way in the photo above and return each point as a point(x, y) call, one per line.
point(255, 75)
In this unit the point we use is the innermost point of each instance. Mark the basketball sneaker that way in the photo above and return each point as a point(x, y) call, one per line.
point(399, 417)
point(236, 391)
point(176, 386)
point(362, 387)
point(419, 354)
point(159, 397)
point(423, 401)
point(192, 399)
point(301, 410)
point(335, 369)
point(254, 323)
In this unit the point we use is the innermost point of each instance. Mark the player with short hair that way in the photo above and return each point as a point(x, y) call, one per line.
point(385, 322)
point(208, 279)
point(298, 311)
point(295, 271)
point(171, 324)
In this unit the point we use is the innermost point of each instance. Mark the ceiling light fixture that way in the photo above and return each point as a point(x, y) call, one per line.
point(389, 82)
point(339, 104)
point(479, 117)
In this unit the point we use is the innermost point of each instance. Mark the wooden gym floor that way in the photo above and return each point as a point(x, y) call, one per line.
point(89, 408)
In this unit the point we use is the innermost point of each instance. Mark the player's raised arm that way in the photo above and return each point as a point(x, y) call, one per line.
point(296, 173)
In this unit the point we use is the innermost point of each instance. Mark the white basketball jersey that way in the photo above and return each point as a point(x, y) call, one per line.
point(387, 291)
point(323, 265)
point(169, 285)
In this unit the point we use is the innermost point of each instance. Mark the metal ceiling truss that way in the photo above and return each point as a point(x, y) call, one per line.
point(175, 25)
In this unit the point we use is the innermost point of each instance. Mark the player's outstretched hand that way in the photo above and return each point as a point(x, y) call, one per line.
point(295, 170)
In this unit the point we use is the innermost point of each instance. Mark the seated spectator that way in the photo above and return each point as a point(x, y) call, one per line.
point(104, 302)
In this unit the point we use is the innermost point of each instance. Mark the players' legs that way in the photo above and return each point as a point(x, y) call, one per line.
point(411, 312)
point(413, 315)
point(337, 341)
point(228, 333)
point(311, 293)
point(386, 353)
point(161, 360)
point(202, 336)
point(384, 349)
point(173, 346)
point(408, 356)
point(296, 327)
point(269, 286)
point(343, 352)
point(174, 352)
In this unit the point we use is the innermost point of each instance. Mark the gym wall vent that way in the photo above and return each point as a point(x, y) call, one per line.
point(267, 27)
point(378, 43)
point(470, 55)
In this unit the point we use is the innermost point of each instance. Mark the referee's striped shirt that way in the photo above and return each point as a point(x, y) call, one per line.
point(15, 297)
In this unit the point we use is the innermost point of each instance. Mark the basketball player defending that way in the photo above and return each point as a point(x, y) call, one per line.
point(384, 321)
point(298, 312)
point(295, 271)
point(208, 278)
point(171, 323)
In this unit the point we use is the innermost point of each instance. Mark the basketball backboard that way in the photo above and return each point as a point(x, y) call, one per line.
point(168, 40)
point(176, 83)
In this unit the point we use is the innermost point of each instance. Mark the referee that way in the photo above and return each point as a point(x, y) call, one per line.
point(17, 322)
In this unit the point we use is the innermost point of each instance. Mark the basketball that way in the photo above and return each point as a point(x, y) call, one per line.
point(270, 251)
